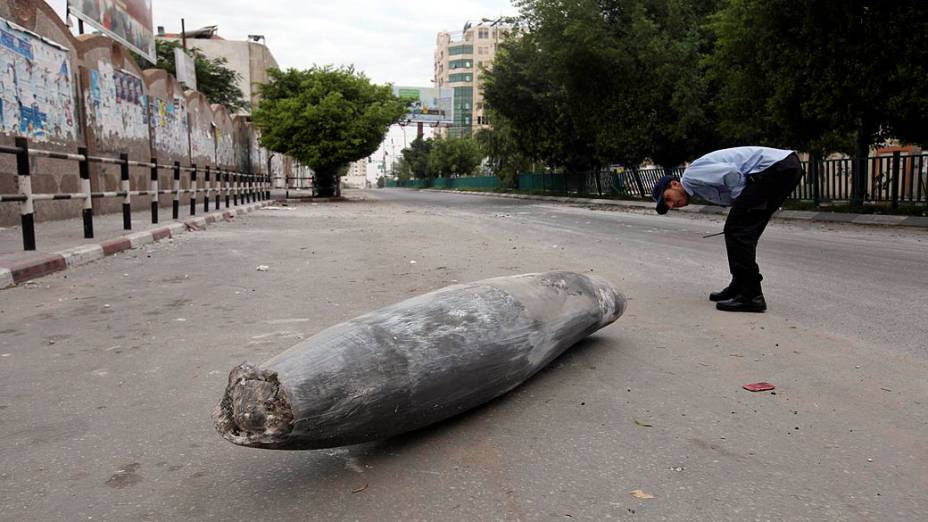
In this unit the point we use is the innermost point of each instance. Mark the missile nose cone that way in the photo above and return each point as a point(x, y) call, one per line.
point(611, 302)
point(251, 402)
point(253, 411)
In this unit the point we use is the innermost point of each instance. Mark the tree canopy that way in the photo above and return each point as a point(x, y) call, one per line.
point(325, 117)
point(821, 75)
point(594, 82)
point(454, 156)
point(504, 158)
point(415, 160)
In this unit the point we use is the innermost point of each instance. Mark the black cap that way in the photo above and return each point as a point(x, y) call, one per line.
point(658, 193)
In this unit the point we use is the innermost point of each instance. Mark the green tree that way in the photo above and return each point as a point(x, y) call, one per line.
point(454, 156)
point(325, 117)
point(415, 159)
point(215, 79)
point(505, 159)
point(403, 170)
point(822, 75)
point(597, 81)
point(520, 96)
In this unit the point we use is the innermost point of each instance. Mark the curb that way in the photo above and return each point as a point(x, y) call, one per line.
point(800, 215)
point(34, 265)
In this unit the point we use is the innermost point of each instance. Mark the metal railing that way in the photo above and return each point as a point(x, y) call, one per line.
point(235, 187)
point(895, 179)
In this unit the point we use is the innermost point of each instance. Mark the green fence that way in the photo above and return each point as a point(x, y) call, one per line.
point(543, 182)
point(894, 178)
point(464, 182)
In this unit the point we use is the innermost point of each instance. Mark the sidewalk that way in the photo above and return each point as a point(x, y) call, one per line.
point(60, 245)
point(801, 215)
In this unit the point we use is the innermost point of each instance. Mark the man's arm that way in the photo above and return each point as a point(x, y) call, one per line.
point(713, 182)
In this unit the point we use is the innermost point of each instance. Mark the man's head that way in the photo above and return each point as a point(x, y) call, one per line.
point(669, 193)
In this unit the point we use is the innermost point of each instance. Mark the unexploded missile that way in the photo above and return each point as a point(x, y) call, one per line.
point(413, 363)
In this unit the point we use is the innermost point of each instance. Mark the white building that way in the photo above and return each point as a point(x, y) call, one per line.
point(460, 59)
point(356, 176)
point(249, 58)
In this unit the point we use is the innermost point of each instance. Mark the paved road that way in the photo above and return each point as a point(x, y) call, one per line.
point(108, 373)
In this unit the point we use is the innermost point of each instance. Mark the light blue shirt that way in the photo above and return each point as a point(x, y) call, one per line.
point(720, 176)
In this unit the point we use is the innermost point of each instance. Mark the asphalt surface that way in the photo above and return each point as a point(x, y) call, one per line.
point(108, 373)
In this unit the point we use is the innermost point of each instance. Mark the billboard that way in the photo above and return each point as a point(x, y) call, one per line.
point(427, 104)
point(129, 22)
point(186, 68)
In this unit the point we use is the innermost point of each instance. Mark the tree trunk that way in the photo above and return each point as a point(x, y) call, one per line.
point(325, 183)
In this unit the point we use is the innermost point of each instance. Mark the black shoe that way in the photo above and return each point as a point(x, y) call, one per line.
point(723, 295)
point(741, 303)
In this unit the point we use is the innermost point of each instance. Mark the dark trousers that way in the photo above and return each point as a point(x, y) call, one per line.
point(764, 193)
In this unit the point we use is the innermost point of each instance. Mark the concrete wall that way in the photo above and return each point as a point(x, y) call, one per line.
point(115, 105)
point(257, 155)
point(250, 59)
point(167, 123)
point(202, 138)
point(64, 92)
point(38, 89)
point(241, 136)
point(224, 133)
point(260, 60)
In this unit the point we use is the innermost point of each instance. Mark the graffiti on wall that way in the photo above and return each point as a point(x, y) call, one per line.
point(169, 125)
point(241, 148)
point(225, 149)
point(277, 165)
point(36, 89)
point(116, 104)
point(202, 139)
point(257, 154)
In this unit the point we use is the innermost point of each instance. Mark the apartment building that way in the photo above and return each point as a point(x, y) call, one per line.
point(356, 177)
point(460, 58)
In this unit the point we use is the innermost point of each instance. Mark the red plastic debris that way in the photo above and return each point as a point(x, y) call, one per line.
point(759, 387)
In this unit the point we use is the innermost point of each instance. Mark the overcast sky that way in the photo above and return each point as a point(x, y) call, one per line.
point(390, 41)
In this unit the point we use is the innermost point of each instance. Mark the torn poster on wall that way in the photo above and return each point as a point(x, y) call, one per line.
point(242, 148)
point(202, 138)
point(257, 154)
point(36, 87)
point(169, 126)
point(225, 148)
point(116, 106)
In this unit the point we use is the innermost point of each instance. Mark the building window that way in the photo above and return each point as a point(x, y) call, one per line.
point(482, 49)
point(460, 64)
point(461, 77)
point(463, 101)
point(461, 49)
point(483, 33)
